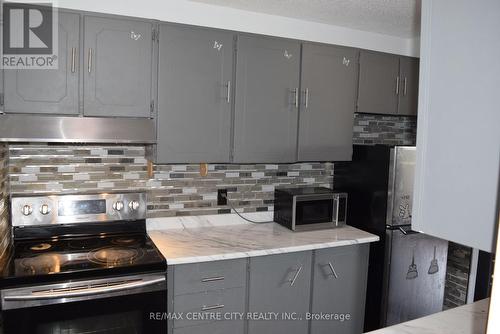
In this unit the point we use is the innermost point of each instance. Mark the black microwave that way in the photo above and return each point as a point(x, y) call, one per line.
point(309, 208)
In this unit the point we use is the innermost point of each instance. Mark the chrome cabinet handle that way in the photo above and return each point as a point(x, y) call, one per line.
point(333, 270)
point(212, 279)
point(228, 97)
point(397, 85)
point(296, 97)
point(404, 87)
point(295, 276)
point(73, 60)
point(212, 307)
point(90, 60)
point(306, 99)
point(85, 291)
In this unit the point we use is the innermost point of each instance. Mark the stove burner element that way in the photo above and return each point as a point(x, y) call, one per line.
point(112, 256)
point(41, 247)
point(42, 264)
point(125, 241)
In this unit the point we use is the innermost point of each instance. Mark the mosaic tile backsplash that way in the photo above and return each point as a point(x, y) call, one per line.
point(457, 275)
point(4, 201)
point(384, 129)
point(174, 190)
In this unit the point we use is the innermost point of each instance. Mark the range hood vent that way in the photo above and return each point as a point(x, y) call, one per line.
point(32, 128)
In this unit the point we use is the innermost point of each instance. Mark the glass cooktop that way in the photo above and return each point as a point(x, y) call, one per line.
point(55, 258)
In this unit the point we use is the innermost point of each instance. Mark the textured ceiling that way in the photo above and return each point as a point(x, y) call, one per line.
point(391, 17)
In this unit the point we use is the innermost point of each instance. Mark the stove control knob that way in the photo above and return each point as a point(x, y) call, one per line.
point(44, 209)
point(118, 205)
point(133, 205)
point(27, 210)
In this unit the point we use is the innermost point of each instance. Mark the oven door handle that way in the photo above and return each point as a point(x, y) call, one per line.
point(84, 291)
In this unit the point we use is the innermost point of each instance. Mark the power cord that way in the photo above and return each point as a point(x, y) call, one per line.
point(244, 218)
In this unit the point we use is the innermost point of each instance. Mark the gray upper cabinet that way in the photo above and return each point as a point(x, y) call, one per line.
point(195, 86)
point(117, 67)
point(48, 91)
point(408, 95)
point(379, 83)
point(280, 283)
point(329, 86)
point(339, 287)
point(266, 106)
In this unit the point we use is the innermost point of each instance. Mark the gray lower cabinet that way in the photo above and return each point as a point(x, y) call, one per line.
point(280, 284)
point(378, 83)
point(267, 98)
point(329, 85)
point(48, 91)
point(195, 86)
point(339, 287)
point(213, 288)
point(408, 95)
point(117, 67)
point(214, 302)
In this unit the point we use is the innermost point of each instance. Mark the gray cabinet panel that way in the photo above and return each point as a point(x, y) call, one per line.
point(339, 287)
point(48, 91)
point(329, 86)
point(219, 327)
point(267, 75)
point(408, 95)
point(212, 302)
point(117, 67)
point(378, 86)
point(280, 283)
point(194, 101)
point(205, 276)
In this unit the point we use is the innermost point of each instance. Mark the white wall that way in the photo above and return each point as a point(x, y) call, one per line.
point(184, 11)
point(458, 130)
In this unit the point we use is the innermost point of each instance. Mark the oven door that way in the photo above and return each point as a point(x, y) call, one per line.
point(313, 211)
point(131, 304)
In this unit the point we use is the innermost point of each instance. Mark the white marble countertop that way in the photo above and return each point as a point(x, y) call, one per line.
point(218, 237)
point(467, 319)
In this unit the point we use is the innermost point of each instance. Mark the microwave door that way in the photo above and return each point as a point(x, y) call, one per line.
point(312, 212)
point(401, 179)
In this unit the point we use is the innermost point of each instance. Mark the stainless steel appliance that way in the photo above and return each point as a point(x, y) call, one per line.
point(309, 208)
point(82, 264)
point(407, 269)
point(66, 129)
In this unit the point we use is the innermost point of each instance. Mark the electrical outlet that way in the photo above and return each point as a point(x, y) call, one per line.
point(221, 197)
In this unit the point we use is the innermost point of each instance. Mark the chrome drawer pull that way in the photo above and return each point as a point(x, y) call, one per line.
point(333, 270)
point(296, 275)
point(213, 279)
point(213, 307)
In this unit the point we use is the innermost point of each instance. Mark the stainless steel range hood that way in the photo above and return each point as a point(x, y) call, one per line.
point(32, 128)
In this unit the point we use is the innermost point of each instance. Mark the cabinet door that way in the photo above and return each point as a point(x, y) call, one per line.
point(378, 83)
point(280, 284)
point(48, 91)
point(329, 86)
point(266, 109)
point(408, 95)
point(194, 95)
point(339, 287)
point(117, 67)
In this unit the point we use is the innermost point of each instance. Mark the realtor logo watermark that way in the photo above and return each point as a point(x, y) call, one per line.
point(29, 35)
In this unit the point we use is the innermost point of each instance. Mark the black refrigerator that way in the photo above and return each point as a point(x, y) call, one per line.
point(407, 269)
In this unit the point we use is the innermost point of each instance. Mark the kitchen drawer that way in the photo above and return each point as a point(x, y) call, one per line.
point(216, 301)
point(219, 327)
point(206, 276)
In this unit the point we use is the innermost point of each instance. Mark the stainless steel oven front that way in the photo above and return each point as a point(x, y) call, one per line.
point(127, 304)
